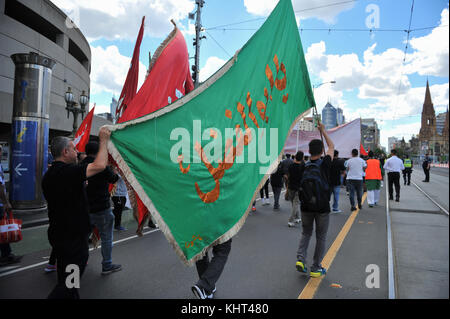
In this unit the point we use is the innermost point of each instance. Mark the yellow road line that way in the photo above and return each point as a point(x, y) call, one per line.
point(314, 283)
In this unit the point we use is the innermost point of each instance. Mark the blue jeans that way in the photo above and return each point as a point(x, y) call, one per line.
point(336, 190)
point(355, 185)
point(104, 221)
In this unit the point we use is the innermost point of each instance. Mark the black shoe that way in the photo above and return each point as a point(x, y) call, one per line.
point(201, 293)
point(11, 259)
point(353, 208)
point(359, 206)
point(111, 269)
point(397, 199)
point(391, 198)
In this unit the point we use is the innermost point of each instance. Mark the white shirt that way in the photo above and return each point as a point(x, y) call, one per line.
point(394, 164)
point(355, 168)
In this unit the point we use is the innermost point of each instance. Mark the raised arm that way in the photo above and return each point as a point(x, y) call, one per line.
point(101, 161)
point(330, 143)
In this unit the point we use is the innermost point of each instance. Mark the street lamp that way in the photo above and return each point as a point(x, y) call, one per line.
point(72, 107)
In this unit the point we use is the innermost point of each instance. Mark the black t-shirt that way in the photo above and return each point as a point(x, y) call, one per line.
point(295, 172)
point(285, 165)
point(325, 168)
point(426, 162)
point(97, 188)
point(64, 189)
point(337, 166)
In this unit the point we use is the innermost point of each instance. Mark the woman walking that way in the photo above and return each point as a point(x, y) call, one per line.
point(374, 176)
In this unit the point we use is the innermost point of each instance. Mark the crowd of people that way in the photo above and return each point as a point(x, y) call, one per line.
point(77, 189)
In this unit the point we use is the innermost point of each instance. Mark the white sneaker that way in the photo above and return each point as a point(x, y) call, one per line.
point(298, 220)
point(291, 224)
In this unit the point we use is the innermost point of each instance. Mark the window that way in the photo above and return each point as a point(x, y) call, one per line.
point(76, 52)
point(31, 19)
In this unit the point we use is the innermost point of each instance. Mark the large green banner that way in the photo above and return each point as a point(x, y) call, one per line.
point(198, 163)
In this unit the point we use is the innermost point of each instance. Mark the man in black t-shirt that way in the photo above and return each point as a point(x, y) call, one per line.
point(426, 168)
point(64, 187)
point(294, 177)
point(320, 218)
point(336, 173)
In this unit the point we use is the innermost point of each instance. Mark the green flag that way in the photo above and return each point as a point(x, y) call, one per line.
point(198, 163)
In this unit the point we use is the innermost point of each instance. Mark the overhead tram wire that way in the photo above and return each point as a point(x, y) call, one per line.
point(209, 34)
point(404, 59)
point(262, 18)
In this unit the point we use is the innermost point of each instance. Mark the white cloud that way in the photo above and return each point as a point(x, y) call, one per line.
point(324, 10)
point(432, 51)
point(211, 66)
point(121, 19)
point(109, 70)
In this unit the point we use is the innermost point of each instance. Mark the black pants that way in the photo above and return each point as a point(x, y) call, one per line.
point(5, 250)
point(52, 260)
point(210, 271)
point(119, 205)
point(427, 174)
point(407, 176)
point(264, 189)
point(394, 179)
point(75, 252)
point(276, 195)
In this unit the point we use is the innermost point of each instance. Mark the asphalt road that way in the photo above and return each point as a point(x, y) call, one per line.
point(261, 264)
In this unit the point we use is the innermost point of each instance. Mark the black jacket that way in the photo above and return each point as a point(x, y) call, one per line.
point(97, 188)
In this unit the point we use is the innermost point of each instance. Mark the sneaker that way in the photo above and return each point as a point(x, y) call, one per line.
point(300, 266)
point(359, 206)
point(11, 259)
point(337, 211)
point(297, 221)
point(253, 209)
point(200, 293)
point(353, 208)
point(111, 269)
point(370, 205)
point(266, 201)
point(120, 228)
point(318, 273)
point(50, 268)
point(276, 207)
point(291, 224)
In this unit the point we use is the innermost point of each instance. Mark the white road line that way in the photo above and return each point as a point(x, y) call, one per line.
point(90, 249)
point(391, 274)
point(434, 202)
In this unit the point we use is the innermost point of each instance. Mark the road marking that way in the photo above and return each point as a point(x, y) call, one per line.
point(434, 202)
point(313, 284)
point(3, 274)
point(391, 274)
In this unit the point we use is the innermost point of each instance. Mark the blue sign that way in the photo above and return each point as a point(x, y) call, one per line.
point(23, 160)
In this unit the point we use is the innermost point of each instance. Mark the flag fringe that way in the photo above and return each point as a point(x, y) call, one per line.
point(162, 46)
point(148, 202)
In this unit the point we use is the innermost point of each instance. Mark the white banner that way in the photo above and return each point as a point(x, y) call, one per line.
point(345, 138)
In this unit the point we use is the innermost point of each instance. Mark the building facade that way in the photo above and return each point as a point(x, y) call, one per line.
point(392, 143)
point(329, 116)
point(370, 134)
point(39, 26)
point(432, 140)
point(340, 116)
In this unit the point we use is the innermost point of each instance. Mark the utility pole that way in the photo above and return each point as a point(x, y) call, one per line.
point(198, 38)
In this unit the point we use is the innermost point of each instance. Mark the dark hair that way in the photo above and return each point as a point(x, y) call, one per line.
point(336, 153)
point(394, 151)
point(354, 152)
point(371, 154)
point(407, 156)
point(59, 144)
point(288, 155)
point(92, 148)
point(315, 147)
point(299, 156)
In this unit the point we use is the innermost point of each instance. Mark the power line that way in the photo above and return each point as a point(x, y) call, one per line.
point(303, 10)
point(209, 34)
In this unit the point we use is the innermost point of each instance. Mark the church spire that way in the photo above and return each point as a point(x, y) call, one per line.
point(427, 96)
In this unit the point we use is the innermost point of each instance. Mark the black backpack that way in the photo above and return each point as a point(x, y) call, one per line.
point(314, 189)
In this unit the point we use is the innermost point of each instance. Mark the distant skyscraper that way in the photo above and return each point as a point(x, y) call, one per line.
point(329, 116)
point(113, 107)
point(340, 116)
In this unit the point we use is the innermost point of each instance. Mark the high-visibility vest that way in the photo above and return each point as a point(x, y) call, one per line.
point(373, 170)
point(407, 163)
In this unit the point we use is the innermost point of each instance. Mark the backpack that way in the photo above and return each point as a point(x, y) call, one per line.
point(314, 189)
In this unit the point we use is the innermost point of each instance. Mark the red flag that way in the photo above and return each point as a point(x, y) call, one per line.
point(82, 135)
point(362, 150)
point(130, 87)
point(168, 79)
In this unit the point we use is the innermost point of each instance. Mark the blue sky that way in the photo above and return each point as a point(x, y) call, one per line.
point(371, 79)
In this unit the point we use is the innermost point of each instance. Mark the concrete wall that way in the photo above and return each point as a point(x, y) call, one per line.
point(16, 37)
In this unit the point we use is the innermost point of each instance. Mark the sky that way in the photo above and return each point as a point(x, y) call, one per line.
point(359, 44)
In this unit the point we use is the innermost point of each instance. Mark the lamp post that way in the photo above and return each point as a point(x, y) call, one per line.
point(72, 107)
